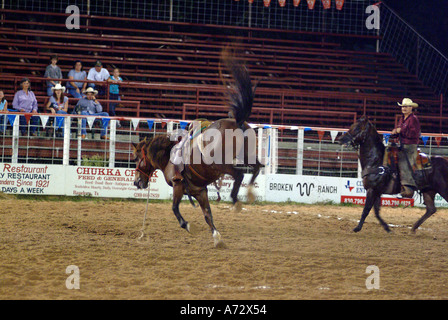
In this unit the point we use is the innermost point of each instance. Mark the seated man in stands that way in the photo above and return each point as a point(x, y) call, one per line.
point(89, 106)
point(25, 101)
point(98, 73)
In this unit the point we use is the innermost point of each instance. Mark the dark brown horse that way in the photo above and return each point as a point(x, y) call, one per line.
point(377, 178)
point(199, 172)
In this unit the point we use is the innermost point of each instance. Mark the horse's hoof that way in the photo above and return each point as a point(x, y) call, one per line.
point(357, 229)
point(250, 195)
point(217, 240)
point(237, 207)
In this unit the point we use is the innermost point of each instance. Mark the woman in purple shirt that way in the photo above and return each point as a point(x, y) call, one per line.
point(25, 102)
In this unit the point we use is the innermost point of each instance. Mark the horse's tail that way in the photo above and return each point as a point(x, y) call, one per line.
point(242, 97)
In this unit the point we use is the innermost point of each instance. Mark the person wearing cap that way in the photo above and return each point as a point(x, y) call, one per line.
point(53, 72)
point(89, 106)
point(408, 130)
point(25, 101)
point(98, 73)
point(58, 102)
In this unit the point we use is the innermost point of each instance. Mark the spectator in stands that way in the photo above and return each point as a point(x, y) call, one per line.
point(114, 92)
point(409, 131)
point(52, 72)
point(89, 106)
point(77, 88)
point(25, 101)
point(3, 110)
point(58, 103)
point(98, 73)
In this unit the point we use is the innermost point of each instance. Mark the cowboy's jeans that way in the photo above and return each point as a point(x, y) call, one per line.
point(409, 151)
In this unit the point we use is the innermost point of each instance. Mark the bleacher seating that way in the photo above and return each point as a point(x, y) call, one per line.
point(172, 64)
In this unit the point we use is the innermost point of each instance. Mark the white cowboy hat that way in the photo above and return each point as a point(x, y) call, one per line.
point(407, 103)
point(58, 87)
point(91, 90)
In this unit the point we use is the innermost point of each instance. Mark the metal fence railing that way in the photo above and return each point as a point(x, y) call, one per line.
point(283, 149)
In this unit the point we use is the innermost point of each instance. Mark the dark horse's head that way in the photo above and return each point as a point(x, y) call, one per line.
point(357, 133)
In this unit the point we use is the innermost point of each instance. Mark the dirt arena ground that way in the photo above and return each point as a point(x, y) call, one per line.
point(272, 252)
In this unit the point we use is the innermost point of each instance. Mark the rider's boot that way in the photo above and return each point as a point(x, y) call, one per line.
point(407, 191)
point(177, 174)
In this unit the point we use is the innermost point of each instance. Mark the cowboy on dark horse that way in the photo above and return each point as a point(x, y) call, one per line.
point(408, 130)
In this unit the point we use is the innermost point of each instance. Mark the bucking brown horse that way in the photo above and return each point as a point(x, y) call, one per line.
point(227, 146)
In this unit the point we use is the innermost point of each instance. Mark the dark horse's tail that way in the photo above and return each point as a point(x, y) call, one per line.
point(242, 97)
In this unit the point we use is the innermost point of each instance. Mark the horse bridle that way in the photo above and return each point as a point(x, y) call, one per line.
point(146, 163)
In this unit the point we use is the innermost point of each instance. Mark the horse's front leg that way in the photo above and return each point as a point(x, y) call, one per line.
point(178, 192)
point(370, 200)
point(202, 198)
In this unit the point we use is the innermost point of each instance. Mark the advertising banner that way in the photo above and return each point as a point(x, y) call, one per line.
point(112, 182)
point(32, 179)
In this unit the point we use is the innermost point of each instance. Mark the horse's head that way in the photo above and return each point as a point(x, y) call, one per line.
point(144, 168)
point(357, 133)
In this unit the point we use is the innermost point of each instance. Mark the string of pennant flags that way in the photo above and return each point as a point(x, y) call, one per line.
point(59, 121)
point(311, 3)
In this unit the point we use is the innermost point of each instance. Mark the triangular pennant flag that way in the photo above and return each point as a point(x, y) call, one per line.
point(438, 139)
point(327, 4)
point(339, 4)
point(135, 123)
point(251, 1)
point(311, 4)
point(90, 121)
point(44, 120)
point(307, 129)
point(266, 3)
point(183, 124)
point(266, 127)
point(28, 117)
point(105, 122)
point(386, 137)
point(59, 122)
point(320, 134)
point(150, 124)
point(296, 3)
point(333, 135)
point(425, 139)
point(11, 118)
point(282, 3)
point(163, 124)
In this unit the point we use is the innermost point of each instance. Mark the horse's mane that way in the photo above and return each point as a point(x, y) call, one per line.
point(159, 148)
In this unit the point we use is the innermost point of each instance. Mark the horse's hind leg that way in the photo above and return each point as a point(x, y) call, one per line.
point(250, 191)
point(376, 207)
point(428, 197)
point(202, 198)
point(178, 192)
point(238, 175)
